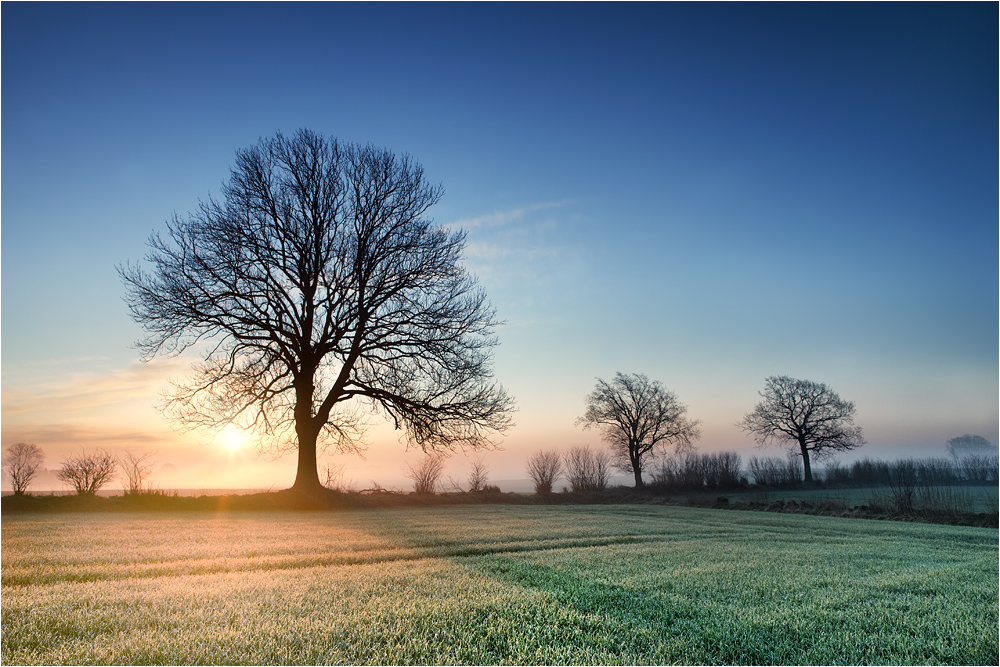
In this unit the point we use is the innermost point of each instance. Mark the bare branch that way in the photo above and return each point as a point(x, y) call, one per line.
point(21, 464)
point(638, 415)
point(88, 473)
point(426, 474)
point(137, 471)
point(806, 415)
point(544, 468)
point(314, 281)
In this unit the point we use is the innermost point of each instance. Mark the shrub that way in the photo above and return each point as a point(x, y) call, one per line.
point(871, 472)
point(695, 471)
point(978, 467)
point(426, 473)
point(772, 471)
point(544, 468)
point(835, 473)
point(587, 470)
point(478, 475)
point(723, 469)
point(902, 479)
point(136, 471)
point(88, 473)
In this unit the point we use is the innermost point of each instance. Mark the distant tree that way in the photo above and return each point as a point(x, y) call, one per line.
point(21, 465)
point(136, 471)
point(426, 473)
point(970, 444)
point(806, 415)
point(88, 473)
point(637, 415)
point(544, 468)
point(318, 280)
point(588, 470)
point(478, 475)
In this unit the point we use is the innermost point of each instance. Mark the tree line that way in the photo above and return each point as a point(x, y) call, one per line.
point(86, 472)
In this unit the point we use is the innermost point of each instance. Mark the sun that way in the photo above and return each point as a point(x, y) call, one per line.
point(232, 438)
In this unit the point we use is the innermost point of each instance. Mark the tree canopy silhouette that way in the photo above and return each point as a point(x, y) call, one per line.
point(807, 415)
point(637, 415)
point(21, 465)
point(315, 282)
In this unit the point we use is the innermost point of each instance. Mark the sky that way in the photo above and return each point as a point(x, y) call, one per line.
point(705, 193)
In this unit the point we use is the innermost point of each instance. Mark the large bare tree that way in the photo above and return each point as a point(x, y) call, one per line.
point(21, 465)
point(808, 416)
point(317, 280)
point(637, 415)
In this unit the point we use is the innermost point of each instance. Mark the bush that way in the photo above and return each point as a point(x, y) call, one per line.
point(978, 467)
point(544, 468)
point(772, 471)
point(136, 471)
point(478, 476)
point(426, 473)
point(835, 473)
point(871, 472)
point(586, 470)
point(695, 471)
point(88, 473)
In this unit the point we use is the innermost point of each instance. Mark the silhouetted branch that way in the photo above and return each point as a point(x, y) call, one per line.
point(317, 280)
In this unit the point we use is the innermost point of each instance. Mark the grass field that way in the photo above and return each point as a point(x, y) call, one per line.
point(495, 584)
point(967, 498)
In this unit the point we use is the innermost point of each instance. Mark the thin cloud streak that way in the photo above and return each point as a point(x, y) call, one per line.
point(89, 391)
point(501, 218)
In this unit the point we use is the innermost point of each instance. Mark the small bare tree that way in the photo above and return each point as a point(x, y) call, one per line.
point(544, 468)
point(808, 417)
point(88, 473)
point(136, 471)
point(23, 460)
point(478, 475)
point(426, 473)
point(588, 470)
point(638, 416)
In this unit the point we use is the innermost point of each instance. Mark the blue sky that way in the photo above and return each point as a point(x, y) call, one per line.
point(707, 193)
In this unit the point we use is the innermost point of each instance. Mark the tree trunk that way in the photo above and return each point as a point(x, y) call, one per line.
point(307, 475)
point(806, 470)
point(637, 470)
point(307, 430)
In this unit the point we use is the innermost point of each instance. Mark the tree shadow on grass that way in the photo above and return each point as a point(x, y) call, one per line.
point(635, 615)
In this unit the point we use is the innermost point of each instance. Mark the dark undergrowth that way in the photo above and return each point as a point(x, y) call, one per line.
point(338, 500)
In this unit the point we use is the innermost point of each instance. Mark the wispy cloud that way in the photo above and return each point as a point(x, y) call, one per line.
point(87, 391)
point(72, 436)
point(501, 218)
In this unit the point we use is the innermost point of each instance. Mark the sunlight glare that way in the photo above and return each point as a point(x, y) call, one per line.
point(232, 438)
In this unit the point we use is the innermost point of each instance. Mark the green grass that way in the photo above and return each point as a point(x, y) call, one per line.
point(966, 498)
point(495, 584)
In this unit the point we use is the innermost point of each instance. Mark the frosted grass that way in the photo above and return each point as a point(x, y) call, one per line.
point(496, 585)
